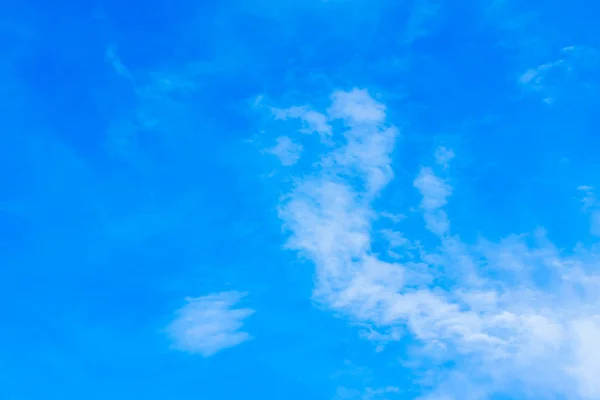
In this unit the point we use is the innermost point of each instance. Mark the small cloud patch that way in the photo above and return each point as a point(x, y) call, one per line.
point(209, 324)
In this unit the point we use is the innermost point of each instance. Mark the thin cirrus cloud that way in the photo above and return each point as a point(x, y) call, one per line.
point(504, 327)
point(286, 150)
point(209, 324)
point(548, 79)
point(589, 204)
point(313, 121)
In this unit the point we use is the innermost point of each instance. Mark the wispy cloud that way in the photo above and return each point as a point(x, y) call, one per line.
point(443, 156)
point(162, 115)
point(313, 121)
point(553, 77)
point(434, 192)
point(514, 314)
point(418, 25)
point(113, 59)
point(343, 393)
point(589, 204)
point(209, 324)
point(286, 150)
point(595, 223)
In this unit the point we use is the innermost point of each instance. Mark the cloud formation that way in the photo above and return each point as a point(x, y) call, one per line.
point(209, 324)
point(286, 150)
point(312, 121)
point(550, 79)
point(516, 316)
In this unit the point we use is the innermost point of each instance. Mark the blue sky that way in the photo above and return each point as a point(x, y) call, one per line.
point(305, 200)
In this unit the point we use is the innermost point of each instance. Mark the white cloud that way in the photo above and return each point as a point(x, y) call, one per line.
point(343, 393)
point(356, 107)
point(534, 77)
point(595, 225)
point(434, 192)
point(422, 14)
point(590, 204)
point(113, 59)
point(586, 368)
point(369, 141)
point(313, 121)
point(395, 218)
point(499, 329)
point(551, 78)
point(209, 324)
point(286, 150)
point(443, 156)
